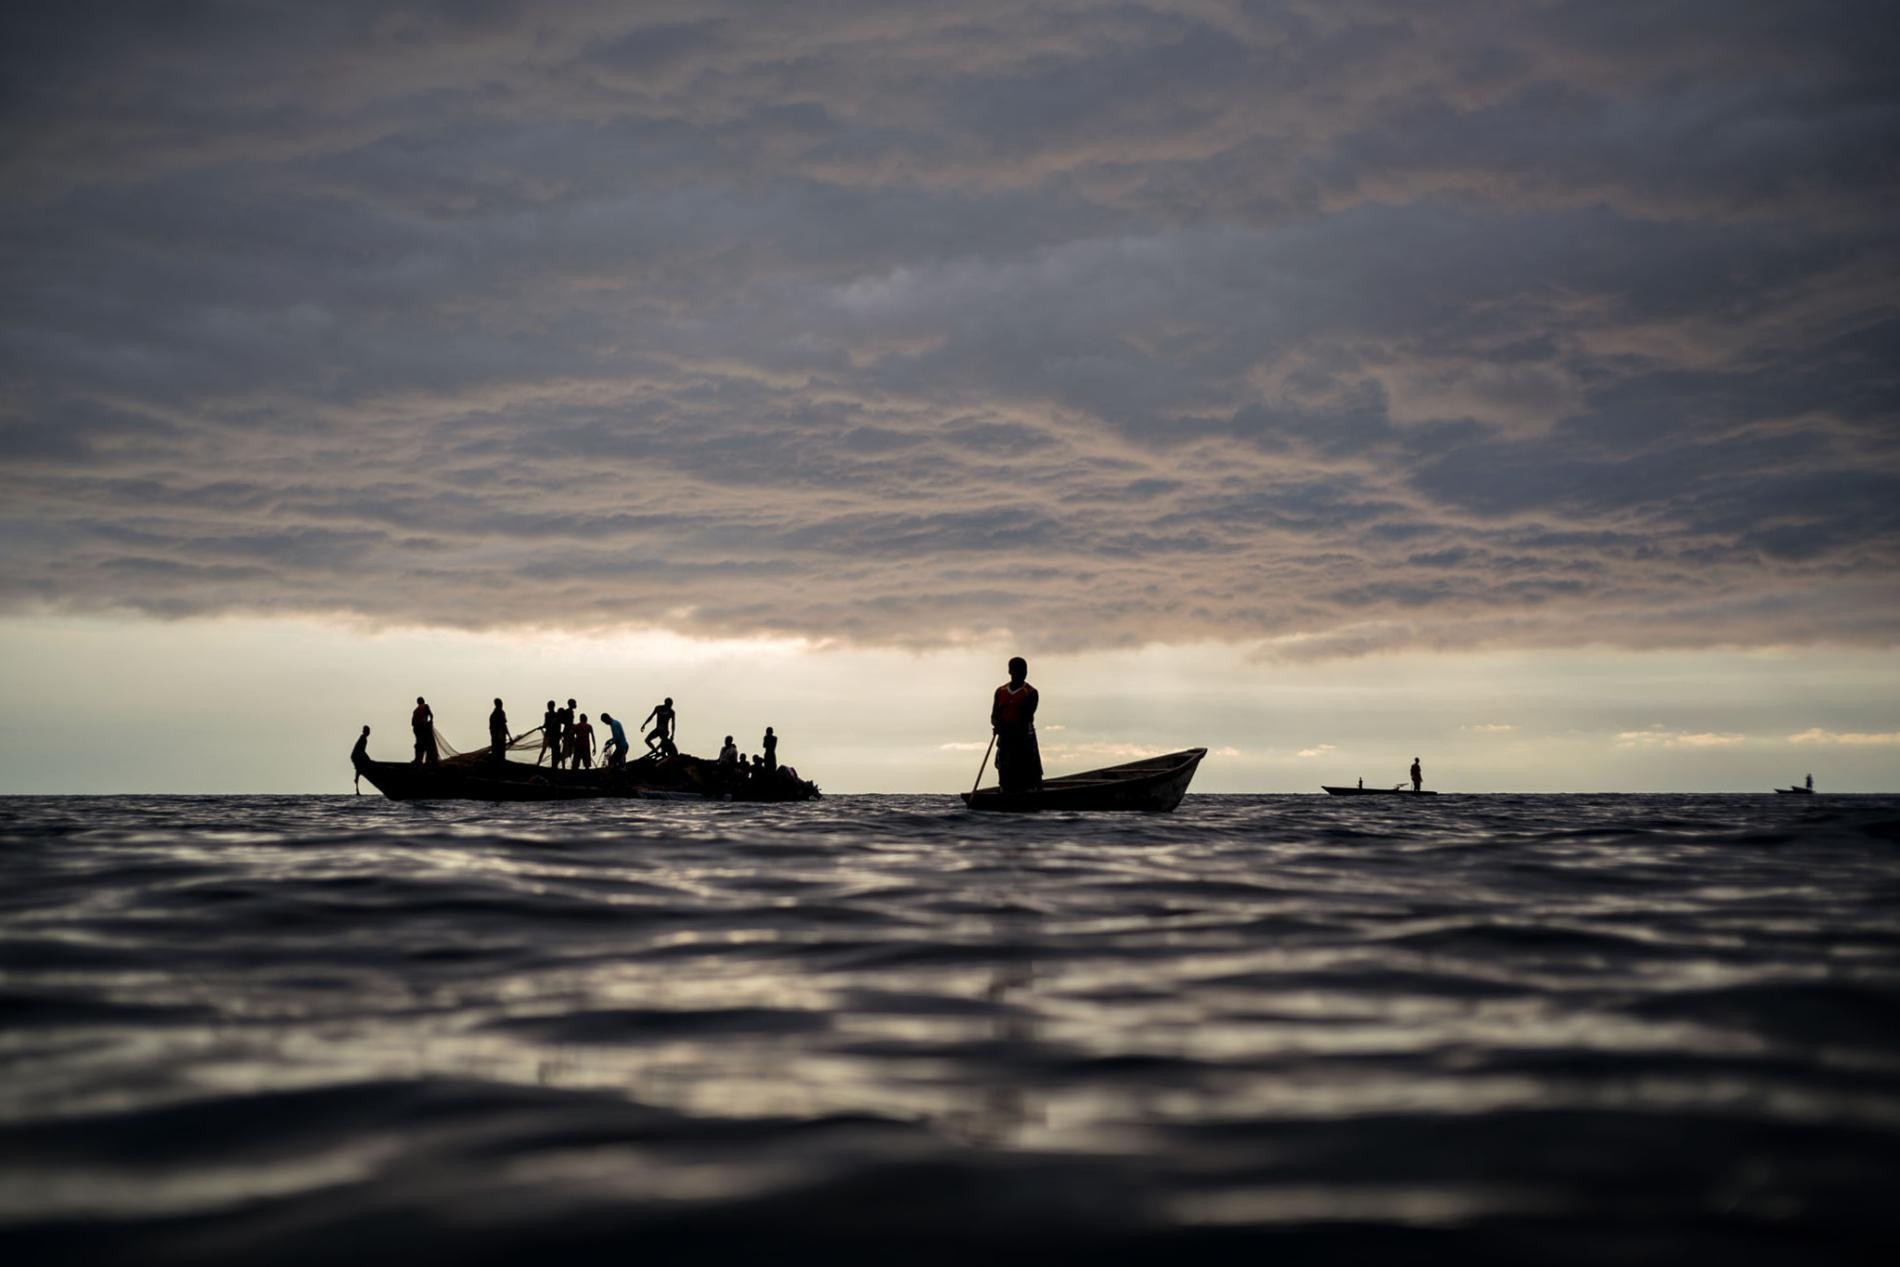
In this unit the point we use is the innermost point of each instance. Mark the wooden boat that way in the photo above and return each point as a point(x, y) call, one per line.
point(1154, 785)
point(474, 777)
point(1795, 791)
point(1373, 791)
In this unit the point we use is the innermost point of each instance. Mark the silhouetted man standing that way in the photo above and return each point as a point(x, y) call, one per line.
point(582, 737)
point(1013, 718)
point(566, 720)
point(422, 722)
point(1418, 776)
point(498, 734)
point(550, 737)
point(770, 744)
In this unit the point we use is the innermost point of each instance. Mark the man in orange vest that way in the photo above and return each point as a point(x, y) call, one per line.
point(1013, 718)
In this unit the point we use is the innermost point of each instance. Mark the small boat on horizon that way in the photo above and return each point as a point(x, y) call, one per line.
point(1330, 790)
point(1795, 791)
point(1153, 785)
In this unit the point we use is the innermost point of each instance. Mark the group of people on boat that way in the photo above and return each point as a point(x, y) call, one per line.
point(567, 736)
point(759, 765)
point(568, 740)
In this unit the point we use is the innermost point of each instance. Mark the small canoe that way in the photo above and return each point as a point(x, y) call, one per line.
point(1795, 791)
point(1374, 791)
point(1155, 785)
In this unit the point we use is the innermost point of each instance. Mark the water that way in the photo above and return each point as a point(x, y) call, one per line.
point(1510, 1029)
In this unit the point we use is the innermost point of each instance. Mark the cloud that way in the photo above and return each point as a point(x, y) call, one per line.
point(1317, 750)
point(1333, 329)
point(1490, 728)
point(1657, 736)
point(1848, 738)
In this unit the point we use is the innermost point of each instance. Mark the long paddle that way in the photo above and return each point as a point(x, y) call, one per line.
point(984, 762)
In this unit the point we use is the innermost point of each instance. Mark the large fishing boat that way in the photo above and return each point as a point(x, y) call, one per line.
point(477, 776)
point(1155, 785)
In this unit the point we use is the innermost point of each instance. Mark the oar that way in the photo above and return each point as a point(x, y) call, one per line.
point(984, 762)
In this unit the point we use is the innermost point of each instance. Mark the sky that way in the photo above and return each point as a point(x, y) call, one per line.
point(1515, 385)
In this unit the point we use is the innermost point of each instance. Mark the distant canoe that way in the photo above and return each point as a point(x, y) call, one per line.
point(1795, 791)
point(1374, 791)
point(1155, 786)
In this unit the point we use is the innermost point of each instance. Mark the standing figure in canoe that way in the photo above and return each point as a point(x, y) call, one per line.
point(422, 723)
point(1013, 718)
point(1418, 776)
point(498, 739)
point(550, 737)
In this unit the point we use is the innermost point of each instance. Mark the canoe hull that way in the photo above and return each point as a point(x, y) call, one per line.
point(681, 778)
point(1153, 786)
point(1373, 791)
point(1795, 791)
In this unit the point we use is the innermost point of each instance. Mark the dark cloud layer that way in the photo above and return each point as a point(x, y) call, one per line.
point(1355, 324)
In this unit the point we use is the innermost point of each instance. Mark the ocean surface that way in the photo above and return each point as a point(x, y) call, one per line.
point(1513, 1029)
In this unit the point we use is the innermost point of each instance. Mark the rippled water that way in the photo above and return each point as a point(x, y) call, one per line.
point(1503, 1028)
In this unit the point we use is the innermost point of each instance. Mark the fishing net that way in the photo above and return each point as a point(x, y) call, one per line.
point(530, 744)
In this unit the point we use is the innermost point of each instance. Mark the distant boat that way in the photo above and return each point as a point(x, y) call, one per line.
point(1373, 791)
point(1155, 785)
point(1795, 791)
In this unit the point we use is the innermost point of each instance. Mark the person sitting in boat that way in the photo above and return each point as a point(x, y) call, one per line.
point(582, 755)
point(770, 744)
point(729, 754)
point(660, 738)
point(550, 737)
point(615, 752)
point(498, 740)
point(1013, 719)
point(1418, 776)
point(422, 722)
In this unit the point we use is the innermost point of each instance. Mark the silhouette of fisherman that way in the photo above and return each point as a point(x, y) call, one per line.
point(550, 737)
point(581, 736)
point(498, 735)
point(1418, 776)
point(660, 738)
point(422, 722)
point(1810, 777)
point(770, 744)
point(565, 720)
point(359, 757)
point(1013, 718)
point(615, 753)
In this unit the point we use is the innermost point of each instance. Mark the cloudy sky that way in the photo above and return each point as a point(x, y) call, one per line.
point(1518, 381)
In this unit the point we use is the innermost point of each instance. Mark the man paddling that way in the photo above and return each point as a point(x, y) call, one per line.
point(1013, 718)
